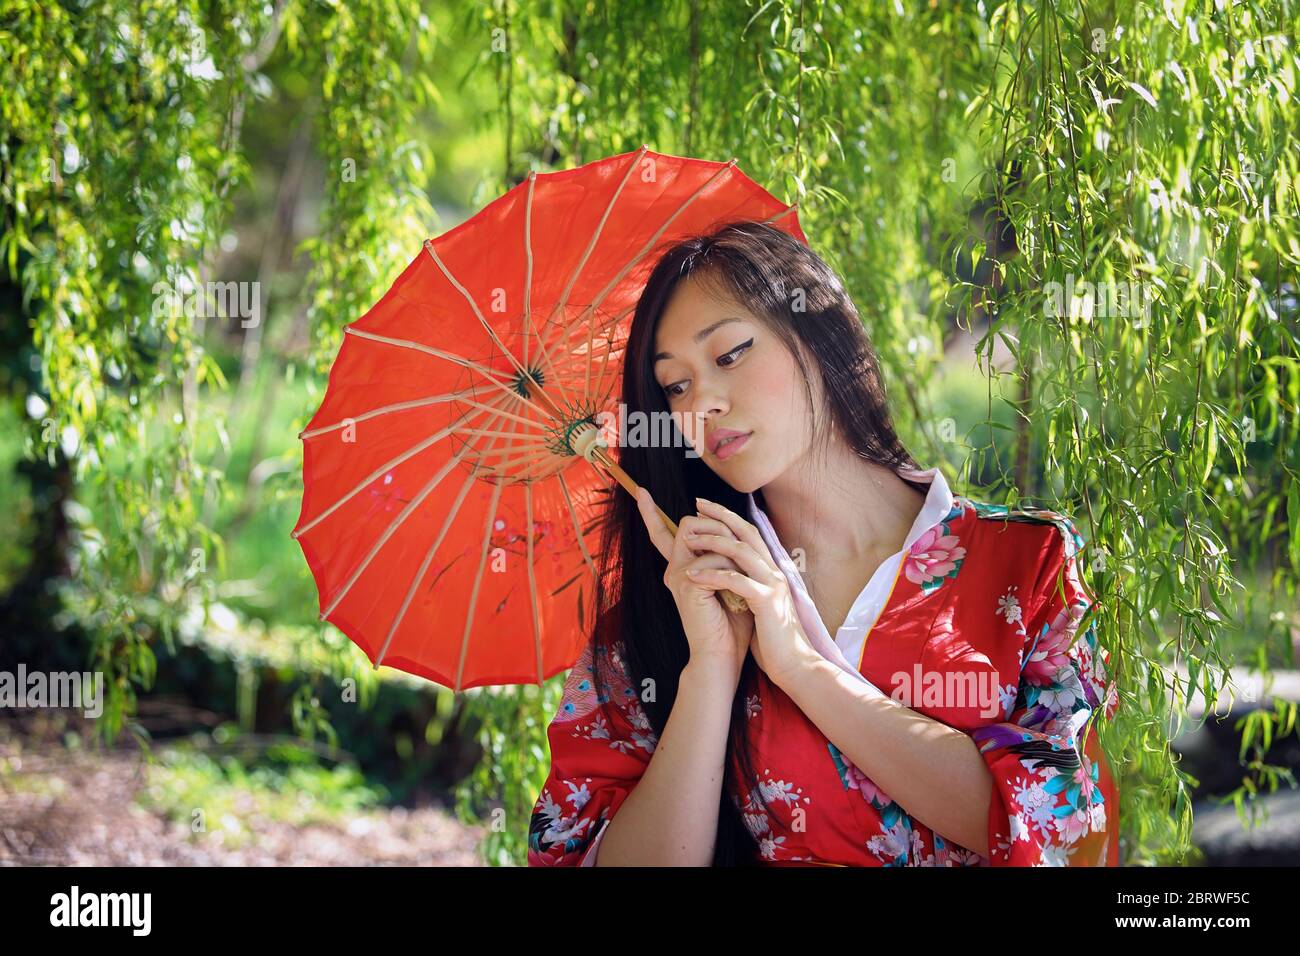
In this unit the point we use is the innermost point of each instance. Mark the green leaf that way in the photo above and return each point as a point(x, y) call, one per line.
point(1143, 92)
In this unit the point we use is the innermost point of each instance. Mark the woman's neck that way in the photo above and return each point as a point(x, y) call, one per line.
point(841, 508)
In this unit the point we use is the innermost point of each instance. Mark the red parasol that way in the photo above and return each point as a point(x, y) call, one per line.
point(448, 515)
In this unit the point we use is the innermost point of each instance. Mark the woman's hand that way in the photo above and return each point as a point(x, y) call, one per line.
point(713, 632)
point(780, 646)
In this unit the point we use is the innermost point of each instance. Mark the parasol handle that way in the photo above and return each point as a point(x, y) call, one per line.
point(587, 443)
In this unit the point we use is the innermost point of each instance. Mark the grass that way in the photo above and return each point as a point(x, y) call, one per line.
point(229, 793)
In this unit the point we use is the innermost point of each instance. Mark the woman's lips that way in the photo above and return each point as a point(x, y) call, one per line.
point(731, 446)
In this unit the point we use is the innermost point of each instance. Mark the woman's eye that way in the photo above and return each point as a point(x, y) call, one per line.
point(742, 346)
point(672, 391)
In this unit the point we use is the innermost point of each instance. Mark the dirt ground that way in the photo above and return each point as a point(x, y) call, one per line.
point(76, 809)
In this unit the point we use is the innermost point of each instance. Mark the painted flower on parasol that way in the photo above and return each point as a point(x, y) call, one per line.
point(454, 475)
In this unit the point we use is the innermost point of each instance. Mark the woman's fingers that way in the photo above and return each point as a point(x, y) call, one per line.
point(696, 524)
point(660, 536)
point(704, 561)
point(729, 579)
point(738, 527)
point(683, 549)
point(708, 560)
point(740, 553)
point(663, 539)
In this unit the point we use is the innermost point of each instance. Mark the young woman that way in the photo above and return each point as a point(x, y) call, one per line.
point(910, 685)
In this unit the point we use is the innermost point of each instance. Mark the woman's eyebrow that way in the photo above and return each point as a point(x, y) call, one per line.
point(699, 336)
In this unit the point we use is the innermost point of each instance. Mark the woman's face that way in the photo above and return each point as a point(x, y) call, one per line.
point(720, 367)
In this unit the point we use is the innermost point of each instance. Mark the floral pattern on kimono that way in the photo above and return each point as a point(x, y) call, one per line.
point(984, 590)
point(754, 811)
point(935, 556)
point(1050, 805)
point(893, 843)
point(601, 742)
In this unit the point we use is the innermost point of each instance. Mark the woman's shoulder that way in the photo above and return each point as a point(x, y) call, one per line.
point(1024, 544)
point(1024, 555)
point(1024, 522)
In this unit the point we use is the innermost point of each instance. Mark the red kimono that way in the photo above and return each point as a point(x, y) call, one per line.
point(974, 622)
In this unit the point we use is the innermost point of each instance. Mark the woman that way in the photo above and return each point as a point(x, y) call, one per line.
point(961, 733)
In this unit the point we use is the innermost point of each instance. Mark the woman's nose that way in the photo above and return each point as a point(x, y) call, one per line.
point(709, 403)
point(705, 409)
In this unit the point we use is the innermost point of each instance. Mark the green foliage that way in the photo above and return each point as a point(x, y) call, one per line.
point(1170, 137)
point(284, 782)
point(505, 783)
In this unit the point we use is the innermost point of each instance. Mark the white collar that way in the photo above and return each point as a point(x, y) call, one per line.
point(845, 649)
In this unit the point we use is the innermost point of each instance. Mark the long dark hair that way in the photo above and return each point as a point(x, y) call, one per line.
point(787, 286)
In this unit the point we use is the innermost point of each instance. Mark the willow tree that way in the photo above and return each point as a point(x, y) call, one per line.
point(121, 155)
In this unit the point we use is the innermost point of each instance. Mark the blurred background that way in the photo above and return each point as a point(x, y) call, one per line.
point(978, 173)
